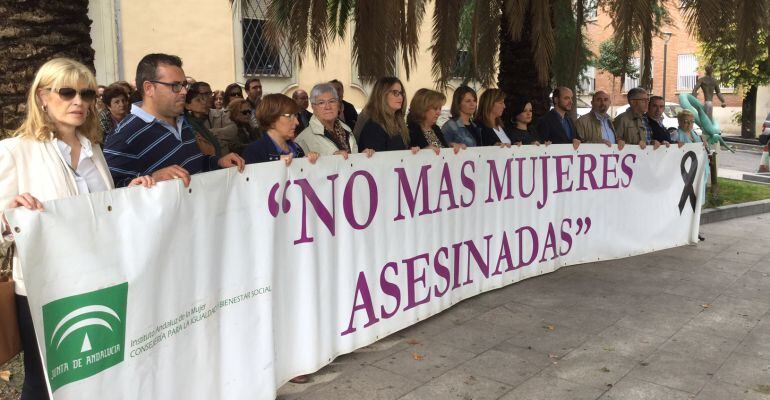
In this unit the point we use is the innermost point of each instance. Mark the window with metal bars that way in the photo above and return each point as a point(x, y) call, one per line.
point(260, 58)
point(687, 71)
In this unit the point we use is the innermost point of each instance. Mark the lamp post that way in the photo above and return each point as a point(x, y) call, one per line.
point(666, 38)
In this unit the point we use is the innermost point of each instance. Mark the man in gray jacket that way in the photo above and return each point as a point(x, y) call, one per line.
point(596, 125)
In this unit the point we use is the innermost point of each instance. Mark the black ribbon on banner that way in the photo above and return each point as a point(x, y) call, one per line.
point(688, 176)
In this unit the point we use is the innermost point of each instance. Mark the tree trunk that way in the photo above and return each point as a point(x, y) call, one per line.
point(646, 80)
point(517, 75)
point(33, 32)
point(749, 114)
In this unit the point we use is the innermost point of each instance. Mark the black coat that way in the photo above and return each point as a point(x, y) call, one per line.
point(489, 137)
point(417, 137)
point(659, 132)
point(303, 116)
point(523, 136)
point(373, 136)
point(549, 128)
point(349, 114)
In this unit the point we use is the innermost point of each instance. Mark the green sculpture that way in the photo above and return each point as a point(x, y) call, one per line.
point(709, 127)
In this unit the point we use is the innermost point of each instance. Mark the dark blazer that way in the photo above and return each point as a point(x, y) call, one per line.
point(418, 139)
point(264, 150)
point(349, 114)
point(549, 128)
point(373, 136)
point(488, 136)
point(659, 132)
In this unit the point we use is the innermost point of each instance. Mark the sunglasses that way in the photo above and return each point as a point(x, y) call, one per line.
point(68, 94)
point(246, 112)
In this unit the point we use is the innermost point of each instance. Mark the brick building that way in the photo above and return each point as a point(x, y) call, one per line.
point(682, 66)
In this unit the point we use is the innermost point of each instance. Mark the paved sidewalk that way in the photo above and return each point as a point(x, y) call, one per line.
point(686, 323)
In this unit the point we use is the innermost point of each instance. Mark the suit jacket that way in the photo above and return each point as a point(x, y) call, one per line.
point(549, 128)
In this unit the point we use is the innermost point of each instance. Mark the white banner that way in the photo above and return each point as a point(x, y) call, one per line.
point(231, 287)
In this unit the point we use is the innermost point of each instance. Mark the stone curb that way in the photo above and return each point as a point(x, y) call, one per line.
point(724, 213)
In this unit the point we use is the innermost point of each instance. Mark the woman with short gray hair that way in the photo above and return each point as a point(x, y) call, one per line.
point(326, 134)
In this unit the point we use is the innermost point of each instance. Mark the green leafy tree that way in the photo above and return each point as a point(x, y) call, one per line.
point(614, 62)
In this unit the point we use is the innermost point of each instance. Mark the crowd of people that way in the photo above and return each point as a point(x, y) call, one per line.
point(78, 137)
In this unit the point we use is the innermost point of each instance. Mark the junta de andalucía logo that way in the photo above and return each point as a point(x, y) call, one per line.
point(85, 334)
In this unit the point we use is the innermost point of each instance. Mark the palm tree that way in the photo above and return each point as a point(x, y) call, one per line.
point(519, 32)
point(33, 32)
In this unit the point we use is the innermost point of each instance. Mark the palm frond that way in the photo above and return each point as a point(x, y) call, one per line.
point(413, 13)
point(319, 25)
point(629, 19)
point(515, 13)
point(485, 40)
point(339, 13)
point(376, 38)
point(543, 42)
point(705, 17)
point(446, 35)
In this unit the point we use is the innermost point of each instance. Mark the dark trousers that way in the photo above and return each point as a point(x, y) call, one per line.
point(34, 378)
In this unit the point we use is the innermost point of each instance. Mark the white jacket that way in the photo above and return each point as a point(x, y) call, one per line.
point(313, 139)
point(35, 167)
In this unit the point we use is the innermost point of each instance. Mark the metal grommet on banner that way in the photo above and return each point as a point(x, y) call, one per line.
point(17, 229)
point(189, 190)
point(301, 170)
point(247, 179)
point(109, 208)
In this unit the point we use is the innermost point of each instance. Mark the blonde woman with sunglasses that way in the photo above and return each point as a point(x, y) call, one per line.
point(54, 154)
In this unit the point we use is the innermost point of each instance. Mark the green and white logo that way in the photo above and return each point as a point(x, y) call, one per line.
point(84, 334)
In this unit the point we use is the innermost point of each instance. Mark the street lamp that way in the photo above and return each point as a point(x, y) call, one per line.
point(666, 38)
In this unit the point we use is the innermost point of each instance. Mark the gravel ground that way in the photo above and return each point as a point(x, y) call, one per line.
point(12, 390)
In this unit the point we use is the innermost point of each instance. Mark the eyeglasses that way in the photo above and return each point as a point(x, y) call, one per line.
point(289, 116)
point(324, 103)
point(68, 94)
point(235, 94)
point(246, 112)
point(176, 87)
point(641, 99)
point(396, 93)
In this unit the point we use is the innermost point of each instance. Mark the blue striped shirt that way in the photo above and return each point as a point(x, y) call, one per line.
point(143, 144)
